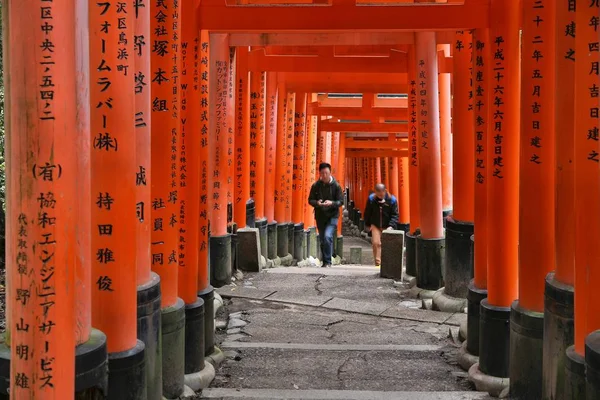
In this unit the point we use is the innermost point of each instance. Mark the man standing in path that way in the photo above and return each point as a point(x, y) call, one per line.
point(326, 197)
point(381, 213)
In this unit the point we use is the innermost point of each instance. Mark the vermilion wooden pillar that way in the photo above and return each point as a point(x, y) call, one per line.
point(445, 106)
point(431, 241)
point(299, 180)
point(113, 164)
point(241, 193)
point(459, 225)
point(271, 185)
point(258, 153)
point(341, 168)
point(378, 174)
point(42, 149)
point(205, 289)
point(587, 194)
point(536, 197)
point(482, 80)
point(413, 166)
point(219, 146)
point(311, 163)
point(148, 296)
point(189, 188)
point(403, 192)
point(280, 193)
point(394, 177)
point(289, 160)
point(558, 312)
point(327, 152)
point(230, 134)
point(503, 190)
point(165, 207)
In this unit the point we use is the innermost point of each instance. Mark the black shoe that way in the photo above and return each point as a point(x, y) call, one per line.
point(326, 266)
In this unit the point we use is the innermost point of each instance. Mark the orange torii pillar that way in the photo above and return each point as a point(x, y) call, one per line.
point(445, 93)
point(536, 198)
point(459, 225)
point(299, 202)
point(378, 174)
point(113, 161)
point(340, 142)
point(257, 154)
point(280, 172)
point(290, 117)
point(48, 311)
point(241, 192)
point(271, 163)
point(403, 194)
point(310, 166)
point(394, 177)
point(503, 191)
point(205, 289)
point(164, 210)
point(148, 295)
point(190, 151)
point(220, 106)
point(413, 169)
point(558, 309)
point(581, 363)
point(430, 243)
point(482, 81)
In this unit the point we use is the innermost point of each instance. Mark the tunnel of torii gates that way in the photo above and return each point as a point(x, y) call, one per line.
point(146, 139)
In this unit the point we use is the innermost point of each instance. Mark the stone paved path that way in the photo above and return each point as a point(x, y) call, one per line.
point(338, 333)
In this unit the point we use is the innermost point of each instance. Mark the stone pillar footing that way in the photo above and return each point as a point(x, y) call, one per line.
point(91, 367)
point(474, 298)
point(208, 296)
point(261, 224)
point(430, 263)
point(173, 349)
point(313, 244)
point(272, 240)
point(149, 331)
point(220, 260)
point(291, 232)
point(574, 375)
point(465, 359)
point(306, 243)
point(282, 240)
point(495, 386)
point(526, 349)
point(494, 340)
point(441, 301)
point(194, 336)
point(392, 245)
point(298, 241)
point(127, 374)
point(459, 258)
point(559, 334)
point(201, 379)
point(410, 242)
point(249, 250)
point(339, 243)
point(592, 365)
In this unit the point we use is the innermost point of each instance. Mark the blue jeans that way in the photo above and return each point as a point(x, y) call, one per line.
point(326, 230)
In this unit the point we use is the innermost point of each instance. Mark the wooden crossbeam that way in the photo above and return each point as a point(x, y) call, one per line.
point(360, 127)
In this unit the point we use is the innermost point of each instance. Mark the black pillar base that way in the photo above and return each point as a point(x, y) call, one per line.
point(494, 340)
point(173, 344)
point(261, 224)
point(445, 214)
point(339, 247)
point(559, 334)
point(194, 337)
point(458, 263)
point(298, 241)
point(208, 297)
point(220, 260)
point(430, 263)
point(91, 367)
point(127, 374)
point(410, 240)
point(361, 225)
point(313, 244)
point(404, 227)
point(474, 298)
point(306, 243)
point(575, 376)
point(234, 252)
point(282, 240)
point(526, 349)
point(272, 240)
point(592, 365)
point(149, 331)
point(291, 239)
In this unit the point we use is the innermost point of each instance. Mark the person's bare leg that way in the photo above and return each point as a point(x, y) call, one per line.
point(376, 243)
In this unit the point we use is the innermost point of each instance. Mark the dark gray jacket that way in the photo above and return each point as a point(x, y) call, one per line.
point(326, 191)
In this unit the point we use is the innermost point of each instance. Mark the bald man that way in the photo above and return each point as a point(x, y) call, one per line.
point(381, 213)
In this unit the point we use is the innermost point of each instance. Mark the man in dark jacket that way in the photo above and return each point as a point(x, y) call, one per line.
point(381, 213)
point(326, 197)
